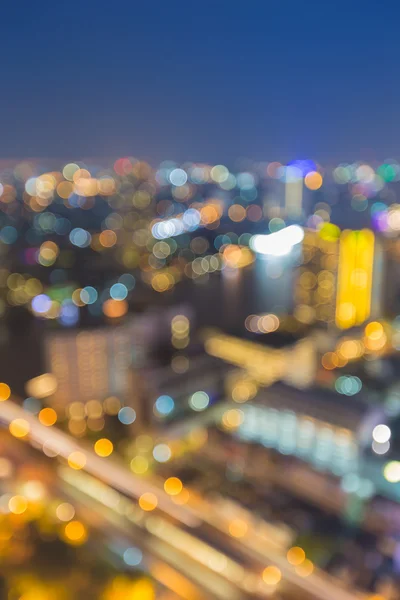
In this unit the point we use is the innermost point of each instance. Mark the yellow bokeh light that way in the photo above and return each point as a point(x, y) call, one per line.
point(69, 170)
point(391, 471)
point(238, 528)
point(17, 505)
point(139, 465)
point(330, 360)
point(113, 309)
point(350, 349)
point(180, 325)
point(182, 497)
point(161, 282)
point(47, 416)
point(112, 405)
point(374, 330)
point(173, 486)
point(305, 569)
point(5, 392)
point(148, 501)
point(232, 418)
point(19, 428)
point(65, 511)
point(144, 590)
point(75, 533)
point(103, 447)
point(81, 174)
point(107, 238)
point(272, 575)
point(65, 189)
point(77, 460)
point(296, 556)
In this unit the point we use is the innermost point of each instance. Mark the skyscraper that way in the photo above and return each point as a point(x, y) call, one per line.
point(359, 279)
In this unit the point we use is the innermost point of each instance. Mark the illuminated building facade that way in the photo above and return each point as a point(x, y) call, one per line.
point(105, 361)
point(90, 364)
point(265, 365)
point(340, 279)
point(318, 426)
point(359, 279)
point(315, 283)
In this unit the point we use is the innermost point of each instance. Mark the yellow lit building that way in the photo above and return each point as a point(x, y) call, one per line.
point(358, 279)
point(295, 364)
point(339, 281)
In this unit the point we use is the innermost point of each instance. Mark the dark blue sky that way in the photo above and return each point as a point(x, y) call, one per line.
point(209, 80)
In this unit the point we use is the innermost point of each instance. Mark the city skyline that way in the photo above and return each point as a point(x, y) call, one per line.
point(199, 301)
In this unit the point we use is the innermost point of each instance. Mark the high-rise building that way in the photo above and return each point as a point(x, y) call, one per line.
point(340, 279)
point(94, 364)
point(316, 278)
point(294, 197)
point(359, 279)
point(90, 364)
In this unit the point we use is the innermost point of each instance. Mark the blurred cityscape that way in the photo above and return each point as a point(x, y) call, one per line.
point(200, 390)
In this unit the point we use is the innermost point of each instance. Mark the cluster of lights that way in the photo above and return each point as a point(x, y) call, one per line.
point(266, 323)
point(380, 439)
point(138, 240)
point(180, 332)
point(373, 341)
point(348, 385)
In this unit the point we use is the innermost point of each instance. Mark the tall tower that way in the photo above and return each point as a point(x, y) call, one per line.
point(359, 279)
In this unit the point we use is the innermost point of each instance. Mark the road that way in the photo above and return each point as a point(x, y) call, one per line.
point(179, 526)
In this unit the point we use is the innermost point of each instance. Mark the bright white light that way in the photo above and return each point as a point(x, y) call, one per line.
point(379, 448)
point(178, 177)
point(293, 174)
point(162, 453)
point(278, 243)
point(199, 401)
point(381, 434)
point(190, 220)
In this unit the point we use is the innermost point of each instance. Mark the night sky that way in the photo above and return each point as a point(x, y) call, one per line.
point(204, 81)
